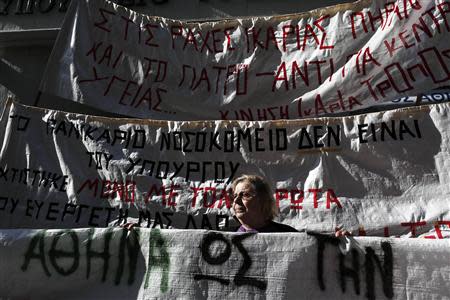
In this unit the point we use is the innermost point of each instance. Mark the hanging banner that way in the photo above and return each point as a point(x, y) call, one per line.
point(188, 264)
point(383, 173)
point(328, 61)
point(18, 15)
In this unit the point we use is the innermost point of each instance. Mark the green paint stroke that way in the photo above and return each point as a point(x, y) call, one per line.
point(129, 242)
point(158, 257)
point(105, 255)
point(54, 253)
point(36, 241)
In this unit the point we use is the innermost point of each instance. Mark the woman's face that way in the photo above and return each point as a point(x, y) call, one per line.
point(247, 206)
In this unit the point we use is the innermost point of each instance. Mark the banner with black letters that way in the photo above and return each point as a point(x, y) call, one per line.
point(383, 173)
point(197, 264)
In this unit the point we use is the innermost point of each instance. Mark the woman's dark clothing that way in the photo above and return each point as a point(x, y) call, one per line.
point(270, 227)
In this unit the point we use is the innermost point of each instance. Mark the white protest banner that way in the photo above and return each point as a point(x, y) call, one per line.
point(383, 173)
point(188, 264)
point(329, 61)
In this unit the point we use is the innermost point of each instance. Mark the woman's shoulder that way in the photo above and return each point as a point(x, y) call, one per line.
point(273, 226)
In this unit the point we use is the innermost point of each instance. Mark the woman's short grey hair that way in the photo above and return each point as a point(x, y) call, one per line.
point(263, 191)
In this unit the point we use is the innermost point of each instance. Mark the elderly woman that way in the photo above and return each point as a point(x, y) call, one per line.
point(254, 205)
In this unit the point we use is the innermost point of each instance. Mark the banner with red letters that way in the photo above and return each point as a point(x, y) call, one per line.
point(324, 62)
